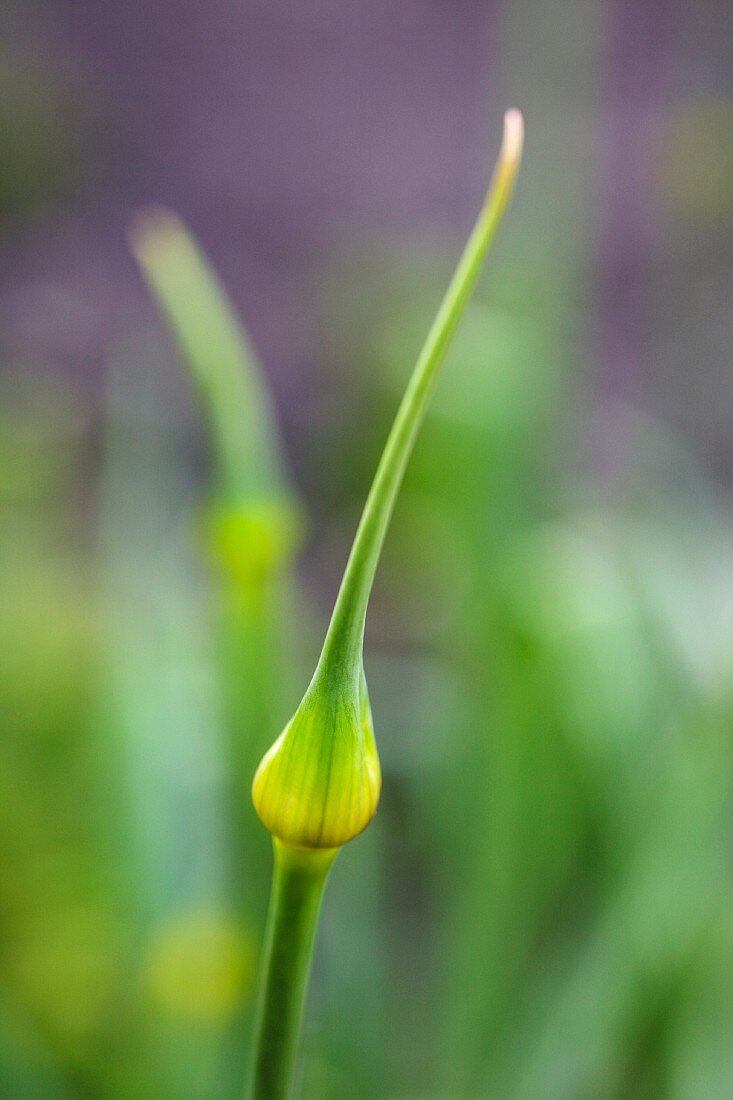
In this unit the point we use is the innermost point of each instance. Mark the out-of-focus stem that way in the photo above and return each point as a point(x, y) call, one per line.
point(219, 356)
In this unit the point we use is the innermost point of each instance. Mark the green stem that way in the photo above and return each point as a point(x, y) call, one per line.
point(343, 645)
point(297, 889)
point(300, 873)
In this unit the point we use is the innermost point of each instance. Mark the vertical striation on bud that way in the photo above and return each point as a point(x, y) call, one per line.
point(318, 786)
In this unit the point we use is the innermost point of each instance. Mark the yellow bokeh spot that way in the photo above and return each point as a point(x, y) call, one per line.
point(199, 967)
point(697, 162)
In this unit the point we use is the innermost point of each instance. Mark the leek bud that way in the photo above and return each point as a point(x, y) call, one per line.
point(318, 785)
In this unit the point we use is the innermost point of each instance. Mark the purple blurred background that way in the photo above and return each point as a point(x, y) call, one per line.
point(287, 135)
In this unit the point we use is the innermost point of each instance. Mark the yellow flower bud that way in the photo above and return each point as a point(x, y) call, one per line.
point(319, 784)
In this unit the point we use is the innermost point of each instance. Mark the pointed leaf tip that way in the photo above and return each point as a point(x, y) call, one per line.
point(513, 138)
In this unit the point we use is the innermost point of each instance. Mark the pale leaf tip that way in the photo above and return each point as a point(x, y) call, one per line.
point(513, 140)
point(153, 230)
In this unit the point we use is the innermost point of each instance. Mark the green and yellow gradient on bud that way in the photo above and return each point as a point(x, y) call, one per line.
point(316, 791)
point(318, 785)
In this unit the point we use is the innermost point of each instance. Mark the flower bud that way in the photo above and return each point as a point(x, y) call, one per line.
point(318, 786)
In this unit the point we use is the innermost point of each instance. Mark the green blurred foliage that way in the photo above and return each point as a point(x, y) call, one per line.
point(542, 909)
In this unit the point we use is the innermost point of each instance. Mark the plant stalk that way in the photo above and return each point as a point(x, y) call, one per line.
point(297, 890)
point(342, 648)
point(291, 774)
